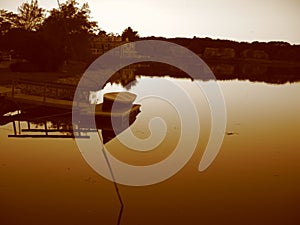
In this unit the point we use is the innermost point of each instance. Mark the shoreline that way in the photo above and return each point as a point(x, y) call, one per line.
point(224, 69)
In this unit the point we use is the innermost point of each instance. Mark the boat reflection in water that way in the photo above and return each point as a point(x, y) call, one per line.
point(114, 115)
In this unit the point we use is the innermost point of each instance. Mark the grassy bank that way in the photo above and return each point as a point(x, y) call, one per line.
point(73, 69)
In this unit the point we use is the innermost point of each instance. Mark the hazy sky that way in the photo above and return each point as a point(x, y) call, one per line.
point(241, 20)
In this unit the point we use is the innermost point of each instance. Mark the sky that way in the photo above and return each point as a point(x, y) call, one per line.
point(239, 20)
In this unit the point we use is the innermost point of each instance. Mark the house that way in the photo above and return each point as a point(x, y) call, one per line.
point(255, 54)
point(220, 53)
point(5, 59)
point(103, 43)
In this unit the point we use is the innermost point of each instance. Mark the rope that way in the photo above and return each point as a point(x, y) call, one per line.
point(114, 181)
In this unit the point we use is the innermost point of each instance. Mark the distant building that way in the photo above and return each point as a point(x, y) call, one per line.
point(103, 43)
point(221, 53)
point(5, 56)
point(255, 54)
point(5, 59)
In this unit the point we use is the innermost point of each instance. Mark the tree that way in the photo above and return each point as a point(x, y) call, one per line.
point(30, 16)
point(39, 53)
point(7, 21)
point(129, 34)
point(70, 19)
point(69, 28)
point(46, 43)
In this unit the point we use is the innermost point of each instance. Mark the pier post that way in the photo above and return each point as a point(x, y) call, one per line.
point(14, 126)
point(46, 130)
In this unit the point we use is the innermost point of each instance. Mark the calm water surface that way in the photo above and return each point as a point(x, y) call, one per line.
point(255, 179)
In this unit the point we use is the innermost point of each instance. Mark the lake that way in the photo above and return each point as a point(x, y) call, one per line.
point(255, 178)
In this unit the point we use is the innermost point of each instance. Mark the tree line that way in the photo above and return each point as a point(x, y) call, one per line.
point(276, 50)
point(47, 39)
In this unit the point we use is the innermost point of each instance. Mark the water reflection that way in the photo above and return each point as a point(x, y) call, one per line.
point(254, 180)
point(34, 121)
point(253, 71)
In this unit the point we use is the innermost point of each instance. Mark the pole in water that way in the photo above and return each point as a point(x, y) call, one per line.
point(114, 180)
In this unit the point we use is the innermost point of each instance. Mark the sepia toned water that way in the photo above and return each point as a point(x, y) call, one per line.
point(255, 179)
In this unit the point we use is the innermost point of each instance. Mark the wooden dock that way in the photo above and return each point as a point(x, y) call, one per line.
point(46, 94)
point(39, 103)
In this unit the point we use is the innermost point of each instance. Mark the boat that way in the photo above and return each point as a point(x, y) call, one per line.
point(117, 101)
point(117, 112)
